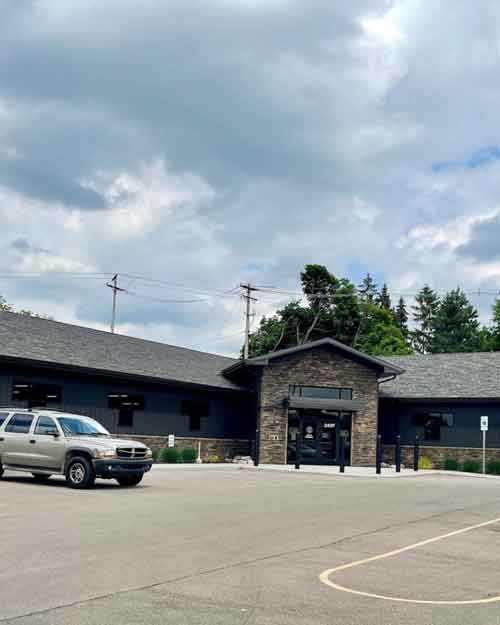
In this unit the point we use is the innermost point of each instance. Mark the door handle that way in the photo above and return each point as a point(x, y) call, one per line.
point(32, 441)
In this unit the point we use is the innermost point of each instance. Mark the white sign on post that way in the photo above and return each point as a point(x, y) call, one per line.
point(171, 440)
point(484, 429)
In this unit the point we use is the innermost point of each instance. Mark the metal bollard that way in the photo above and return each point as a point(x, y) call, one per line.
point(416, 454)
point(398, 454)
point(342, 453)
point(379, 455)
point(298, 448)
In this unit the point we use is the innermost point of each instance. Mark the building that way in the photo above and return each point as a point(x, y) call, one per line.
point(312, 395)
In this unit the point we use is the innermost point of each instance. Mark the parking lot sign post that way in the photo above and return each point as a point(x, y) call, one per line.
point(171, 440)
point(484, 429)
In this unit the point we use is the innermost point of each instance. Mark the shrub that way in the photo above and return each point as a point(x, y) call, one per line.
point(493, 467)
point(471, 466)
point(424, 463)
point(450, 464)
point(170, 455)
point(189, 455)
point(156, 455)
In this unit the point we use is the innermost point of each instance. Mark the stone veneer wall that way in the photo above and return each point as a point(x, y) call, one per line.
point(226, 448)
point(438, 454)
point(317, 367)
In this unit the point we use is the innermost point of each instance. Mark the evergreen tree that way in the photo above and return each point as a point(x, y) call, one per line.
point(378, 334)
point(384, 299)
point(367, 289)
point(495, 328)
point(424, 315)
point(401, 316)
point(456, 326)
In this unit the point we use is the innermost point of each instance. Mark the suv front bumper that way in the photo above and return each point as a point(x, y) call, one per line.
point(121, 468)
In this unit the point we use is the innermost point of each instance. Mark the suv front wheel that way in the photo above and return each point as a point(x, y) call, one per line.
point(129, 480)
point(80, 473)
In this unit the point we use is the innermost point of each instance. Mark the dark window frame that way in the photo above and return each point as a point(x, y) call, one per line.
point(134, 401)
point(126, 417)
point(297, 390)
point(432, 421)
point(37, 394)
point(3, 417)
point(195, 410)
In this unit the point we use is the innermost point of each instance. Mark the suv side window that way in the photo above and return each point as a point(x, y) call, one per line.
point(19, 423)
point(45, 425)
point(3, 416)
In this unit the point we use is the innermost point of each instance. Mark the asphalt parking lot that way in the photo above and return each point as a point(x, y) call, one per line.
point(236, 546)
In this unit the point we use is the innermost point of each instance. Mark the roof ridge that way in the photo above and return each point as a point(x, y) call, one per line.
point(116, 334)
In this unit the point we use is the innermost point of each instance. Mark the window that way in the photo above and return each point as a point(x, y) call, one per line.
point(125, 400)
point(126, 417)
point(320, 392)
point(19, 424)
point(36, 394)
point(3, 416)
point(195, 409)
point(45, 426)
point(432, 422)
point(72, 426)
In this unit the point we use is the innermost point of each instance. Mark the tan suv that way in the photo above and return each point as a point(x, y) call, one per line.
point(48, 442)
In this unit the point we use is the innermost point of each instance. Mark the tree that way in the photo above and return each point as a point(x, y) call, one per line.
point(424, 315)
point(379, 335)
point(456, 326)
point(384, 299)
point(4, 306)
point(495, 328)
point(401, 316)
point(367, 289)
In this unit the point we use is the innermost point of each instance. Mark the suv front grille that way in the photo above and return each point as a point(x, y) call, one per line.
point(130, 453)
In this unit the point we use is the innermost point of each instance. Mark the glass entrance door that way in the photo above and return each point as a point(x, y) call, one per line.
point(317, 433)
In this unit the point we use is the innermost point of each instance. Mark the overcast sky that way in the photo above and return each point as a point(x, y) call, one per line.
point(207, 142)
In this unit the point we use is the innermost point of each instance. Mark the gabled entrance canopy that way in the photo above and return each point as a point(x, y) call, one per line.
point(385, 368)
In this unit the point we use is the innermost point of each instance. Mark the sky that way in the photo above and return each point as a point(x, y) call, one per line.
point(192, 145)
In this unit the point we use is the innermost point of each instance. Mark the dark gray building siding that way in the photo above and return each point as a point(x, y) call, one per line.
point(396, 416)
point(232, 414)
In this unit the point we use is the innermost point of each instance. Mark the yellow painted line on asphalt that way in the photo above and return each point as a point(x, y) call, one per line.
point(326, 575)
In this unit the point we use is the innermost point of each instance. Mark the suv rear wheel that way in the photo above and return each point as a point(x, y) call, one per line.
point(129, 480)
point(1, 470)
point(80, 473)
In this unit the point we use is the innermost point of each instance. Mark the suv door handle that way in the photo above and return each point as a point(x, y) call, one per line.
point(32, 441)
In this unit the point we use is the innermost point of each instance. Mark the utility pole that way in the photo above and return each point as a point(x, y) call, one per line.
point(247, 296)
point(115, 288)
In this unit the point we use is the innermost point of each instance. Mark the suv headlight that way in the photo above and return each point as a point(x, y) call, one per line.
point(149, 453)
point(105, 453)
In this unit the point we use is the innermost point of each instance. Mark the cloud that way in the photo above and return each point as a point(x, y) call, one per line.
point(203, 144)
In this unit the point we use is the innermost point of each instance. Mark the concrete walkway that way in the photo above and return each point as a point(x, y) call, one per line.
point(366, 472)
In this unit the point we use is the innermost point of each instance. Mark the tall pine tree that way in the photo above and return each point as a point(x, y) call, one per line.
point(401, 316)
point(384, 299)
point(367, 289)
point(456, 326)
point(424, 315)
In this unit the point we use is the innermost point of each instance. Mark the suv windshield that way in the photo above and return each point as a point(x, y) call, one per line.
point(81, 427)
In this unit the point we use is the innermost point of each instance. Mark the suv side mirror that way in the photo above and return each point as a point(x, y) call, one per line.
point(53, 432)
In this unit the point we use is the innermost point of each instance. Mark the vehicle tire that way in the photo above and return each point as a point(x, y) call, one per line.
point(40, 477)
point(129, 480)
point(80, 473)
point(1, 470)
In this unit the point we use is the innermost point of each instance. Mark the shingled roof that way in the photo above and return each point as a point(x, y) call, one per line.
point(445, 376)
point(52, 342)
